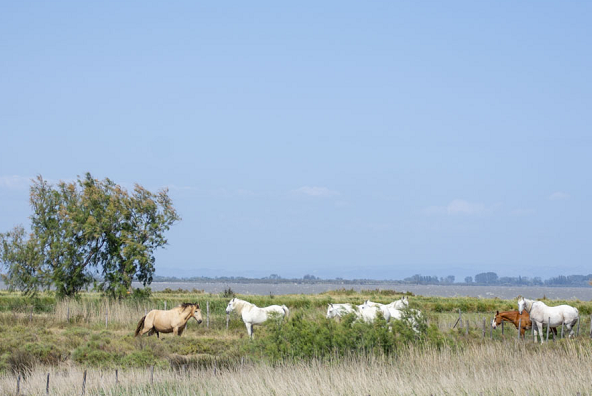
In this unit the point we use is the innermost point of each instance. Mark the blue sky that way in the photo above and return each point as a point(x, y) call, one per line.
point(340, 139)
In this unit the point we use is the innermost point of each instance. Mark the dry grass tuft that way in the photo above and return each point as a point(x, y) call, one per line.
point(497, 368)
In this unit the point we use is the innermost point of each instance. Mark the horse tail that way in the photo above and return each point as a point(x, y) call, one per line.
point(140, 326)
point(286, 311)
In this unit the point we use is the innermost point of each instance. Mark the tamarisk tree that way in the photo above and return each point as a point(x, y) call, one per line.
point(88, 232)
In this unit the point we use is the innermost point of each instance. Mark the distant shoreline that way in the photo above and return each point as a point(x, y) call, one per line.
point(453, 290)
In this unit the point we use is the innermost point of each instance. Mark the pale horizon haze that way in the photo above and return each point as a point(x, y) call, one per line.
point(338, 139)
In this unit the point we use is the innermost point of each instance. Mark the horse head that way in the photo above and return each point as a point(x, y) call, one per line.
point(230, 306)
point(521, 305)
point(331, 311)
point(197, 314)
point(495, 320)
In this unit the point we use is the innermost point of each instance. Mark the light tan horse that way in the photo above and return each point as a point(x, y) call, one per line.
point(170, 321)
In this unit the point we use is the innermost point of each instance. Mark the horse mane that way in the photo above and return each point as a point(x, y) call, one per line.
point(239, 305)
point(186, 305)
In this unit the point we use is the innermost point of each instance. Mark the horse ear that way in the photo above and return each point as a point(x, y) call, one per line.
point(497, 313)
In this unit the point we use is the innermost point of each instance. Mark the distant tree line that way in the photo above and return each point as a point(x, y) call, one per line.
point(491, 278)
point(484, 278)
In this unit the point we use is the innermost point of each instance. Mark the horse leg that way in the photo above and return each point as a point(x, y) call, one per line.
point(175, 331)
point(249, 329)
point(539, 326)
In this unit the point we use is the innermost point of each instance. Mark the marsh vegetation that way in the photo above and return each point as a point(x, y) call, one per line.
point(306, 354)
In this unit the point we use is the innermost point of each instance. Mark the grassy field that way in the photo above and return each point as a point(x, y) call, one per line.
point(306, 354)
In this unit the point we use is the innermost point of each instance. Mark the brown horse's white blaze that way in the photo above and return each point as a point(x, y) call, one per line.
point(170, 321)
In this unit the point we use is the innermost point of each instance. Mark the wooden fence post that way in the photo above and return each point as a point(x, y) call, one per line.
point(483, 327)
point(106, 317)
point(18, 385)
point(165, 305)
point(208, 314)
point(116, 377)
point(84, 383)
point(467, 329)
point(47, 385)
point(228, 319)
point(491, 330)
point(591, 326)
point(68, 315)
point(519, 328)
point(561, 329)
point(502, 327)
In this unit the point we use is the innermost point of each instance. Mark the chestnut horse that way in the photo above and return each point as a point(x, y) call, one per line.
point(170, 321)
point(515, 317)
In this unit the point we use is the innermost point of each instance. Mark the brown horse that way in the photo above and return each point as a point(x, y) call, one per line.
point(516, 318)
point(170, 321)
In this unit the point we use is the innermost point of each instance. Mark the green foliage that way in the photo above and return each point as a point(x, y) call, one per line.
point(85, 228)
point(303, 338)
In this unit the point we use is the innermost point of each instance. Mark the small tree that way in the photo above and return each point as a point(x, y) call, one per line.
point(87, 232)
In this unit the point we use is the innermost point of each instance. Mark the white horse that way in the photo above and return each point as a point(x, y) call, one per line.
point(253, 315)
point(369, 313)
point(540, 314)
point(398, 310)
point(339, 310)
point(398, 304)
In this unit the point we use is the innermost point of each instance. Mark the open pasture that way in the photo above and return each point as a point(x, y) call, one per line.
point(452, 355)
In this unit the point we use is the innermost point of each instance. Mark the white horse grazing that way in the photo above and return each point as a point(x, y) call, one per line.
point(398, 310)
point(252, 314)
point(339, 310)
point(540, 314)
point(369, 313)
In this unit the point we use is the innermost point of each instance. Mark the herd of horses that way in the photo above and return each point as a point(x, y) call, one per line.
point(530, 314)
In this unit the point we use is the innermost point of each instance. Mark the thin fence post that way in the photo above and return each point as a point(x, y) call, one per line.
point(502, 327)
point(208, 314)
point(68, 315)
point(519, 328)
point(484, 327)
point(591, 326)
point(116, 377)
point(491, 330)
point(561, 329)
point(31, 316)
point(467, 329)
point(152, 374)
point(578, 330)
point(165, 305)
point(84, 383)
point(18, 385)
point(228, 320)
point(106, 317)
point(47, 385)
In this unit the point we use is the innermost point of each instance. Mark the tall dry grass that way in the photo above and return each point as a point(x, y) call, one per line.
point(492, 368)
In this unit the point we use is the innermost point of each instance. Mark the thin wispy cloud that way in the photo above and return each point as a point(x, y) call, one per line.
point(558, 196)
point(319, 192)
point(15, 182)
point(460, 207)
